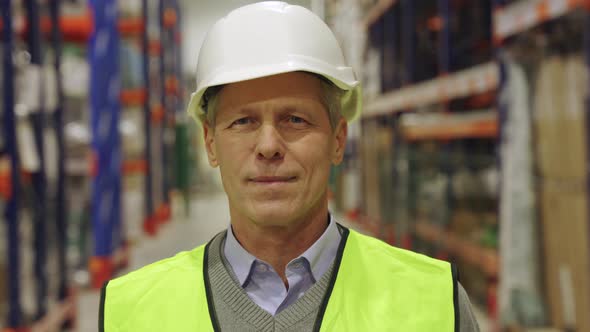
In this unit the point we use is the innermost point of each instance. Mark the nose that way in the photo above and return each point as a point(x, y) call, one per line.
point(270, 145)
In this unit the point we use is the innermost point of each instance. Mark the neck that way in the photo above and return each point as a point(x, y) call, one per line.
point(279, 244)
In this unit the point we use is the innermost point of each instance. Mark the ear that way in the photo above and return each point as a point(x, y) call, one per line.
point(340, 135)
point(209, 135)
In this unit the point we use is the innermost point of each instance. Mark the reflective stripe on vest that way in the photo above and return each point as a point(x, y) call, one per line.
point(375, 287)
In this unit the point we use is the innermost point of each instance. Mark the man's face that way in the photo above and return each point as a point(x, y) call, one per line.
point(274, 145)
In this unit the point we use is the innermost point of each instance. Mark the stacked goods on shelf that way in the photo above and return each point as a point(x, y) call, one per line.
point(385, 145)
point(370, 178)
point(175, 126)
point(558, 79)
point(132, 129)
point(75, 76)
point(446, 166)
point(345, 179)
point(519, 290)
point(32, 117)
point(384, 32)
point(426, 37)
point(560, 95)
point(155, 130)
point(410, 34)
point(93, 152)
point(425, 173)
point(550, 50)
point(470, 24)
point(376, 150)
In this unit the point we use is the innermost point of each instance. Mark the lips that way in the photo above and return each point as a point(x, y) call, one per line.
point(272, 179)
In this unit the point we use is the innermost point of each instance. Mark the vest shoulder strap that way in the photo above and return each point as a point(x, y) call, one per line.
point(378, 287)
point(155, 297)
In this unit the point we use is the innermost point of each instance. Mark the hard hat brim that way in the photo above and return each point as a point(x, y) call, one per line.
point(342, 77)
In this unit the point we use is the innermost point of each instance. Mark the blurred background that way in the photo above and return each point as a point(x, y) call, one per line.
point(472, 147)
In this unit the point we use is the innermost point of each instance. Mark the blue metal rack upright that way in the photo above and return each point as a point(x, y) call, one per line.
point(61, 215)
point(165, 121)
point(182, 165)
point(39, 181)
point(168, 19)
point(148, 194)
point(15, 315)
point(105, 108)
point(444, 64)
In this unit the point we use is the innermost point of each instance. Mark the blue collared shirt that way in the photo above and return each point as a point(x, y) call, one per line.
point(263, 284)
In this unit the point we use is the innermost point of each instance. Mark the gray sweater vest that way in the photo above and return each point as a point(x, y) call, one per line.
point(236, 312)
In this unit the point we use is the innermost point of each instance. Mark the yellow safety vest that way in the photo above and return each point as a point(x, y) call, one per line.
point(375, 287)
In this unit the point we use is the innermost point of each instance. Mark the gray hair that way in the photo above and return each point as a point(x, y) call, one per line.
point(331, 99)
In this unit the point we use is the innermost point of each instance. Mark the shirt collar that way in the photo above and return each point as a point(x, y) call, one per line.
point(320, 255)
point(238, 258)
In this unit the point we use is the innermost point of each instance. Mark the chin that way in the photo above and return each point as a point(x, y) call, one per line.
point(272, 213)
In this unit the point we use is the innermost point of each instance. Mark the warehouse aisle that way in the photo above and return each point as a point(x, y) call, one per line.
point(179, 235)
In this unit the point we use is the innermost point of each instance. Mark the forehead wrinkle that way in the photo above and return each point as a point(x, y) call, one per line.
point(280, 104)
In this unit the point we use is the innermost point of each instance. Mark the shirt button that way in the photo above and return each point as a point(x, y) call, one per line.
point(297, 265)
point(262, 268)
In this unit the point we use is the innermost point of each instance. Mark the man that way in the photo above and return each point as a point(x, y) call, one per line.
point(274, 96)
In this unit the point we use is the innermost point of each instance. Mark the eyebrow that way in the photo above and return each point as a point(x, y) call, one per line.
point(288, 107)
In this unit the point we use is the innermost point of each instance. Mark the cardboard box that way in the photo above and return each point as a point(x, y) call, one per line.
point(560, 117)
point(566, 243)
point(547, 114)
point(370, 174)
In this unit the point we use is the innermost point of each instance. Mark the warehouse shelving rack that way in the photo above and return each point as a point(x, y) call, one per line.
point(106, 100)
point(63, 313)
point(15, 319)
point(508, 20)
point(108, 256)
point(153, 114)
point(174, 122)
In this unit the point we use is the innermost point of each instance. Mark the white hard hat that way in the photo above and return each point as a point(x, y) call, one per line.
point(269, 38)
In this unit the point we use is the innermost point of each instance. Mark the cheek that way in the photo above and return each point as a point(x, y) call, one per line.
point(230, 151)
point(314, 156)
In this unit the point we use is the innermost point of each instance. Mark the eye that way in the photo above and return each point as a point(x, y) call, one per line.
point(296, 119)
point(242, 121)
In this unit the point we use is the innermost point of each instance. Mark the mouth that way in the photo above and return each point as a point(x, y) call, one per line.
point(272, 179)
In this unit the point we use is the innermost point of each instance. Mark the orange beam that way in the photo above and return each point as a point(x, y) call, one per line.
point(103, 268)
point(131, 167)
point(131, 26)
point(435, 23)
point(485, 259)
point(476, 129)
point(74, 28)
point(171, 85)
point(154, 47)
point(157, 114)
point(79, 28)
point(5, 185)
point(169, 18)
point(133, 97)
